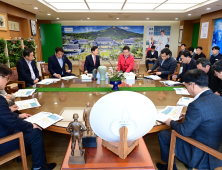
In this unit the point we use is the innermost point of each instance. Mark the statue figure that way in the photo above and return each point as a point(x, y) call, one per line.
point(76, 128)
point(86, 114)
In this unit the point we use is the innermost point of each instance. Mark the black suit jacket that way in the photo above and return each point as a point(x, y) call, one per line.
point(24, 73)
point(214, 82)
point(178, 57)
point(186, 67)
point(89, 64)
point(214, 59)
point(199, 56)
point(10, 123)
point(54, 66)
point(149, 54)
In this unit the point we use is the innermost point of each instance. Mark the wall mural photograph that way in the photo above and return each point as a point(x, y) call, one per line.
point(78, 40)
point(217, 34)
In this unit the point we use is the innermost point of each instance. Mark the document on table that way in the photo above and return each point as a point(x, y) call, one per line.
point(172, 112)
point(48, 81)
point(27, 104)
point(24, 92)
point(44, 119)
point(153, 77)
point(86, 76)
point(68, 77)
point(171, 83)
point(185, 101)
point(182, 91)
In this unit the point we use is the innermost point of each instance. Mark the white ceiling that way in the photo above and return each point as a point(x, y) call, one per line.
point(125, 10)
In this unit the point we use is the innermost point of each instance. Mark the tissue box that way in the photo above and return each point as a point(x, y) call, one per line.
point(129, 76)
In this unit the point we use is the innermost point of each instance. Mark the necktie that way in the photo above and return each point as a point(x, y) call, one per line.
point(94, 60)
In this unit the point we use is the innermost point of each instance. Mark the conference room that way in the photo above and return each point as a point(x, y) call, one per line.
point(110, 84)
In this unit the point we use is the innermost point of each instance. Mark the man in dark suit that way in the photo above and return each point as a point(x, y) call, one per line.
point(56, 64)
point(11, 123)
point(192, 53)
point(216, 55)
point(214, 82)
point(199, 53)
point(27, 70)
point(166, 64)
point(183, 48)
point(202, 123)
point(92, 61)
point(188, 64)
point(151, 57)
point(217, 67)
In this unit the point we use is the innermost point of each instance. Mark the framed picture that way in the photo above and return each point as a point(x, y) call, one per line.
point(13, 26)
point(3, 22)
point(33, 27)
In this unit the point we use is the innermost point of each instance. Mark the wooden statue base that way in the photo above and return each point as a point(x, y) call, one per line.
point(123, 149)
point(77, 158)
point(88, 140)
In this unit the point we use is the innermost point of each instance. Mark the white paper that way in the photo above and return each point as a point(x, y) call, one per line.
point(181, 91)
point(86, 77)
point(27, 104)
point(68, 77)
point(170, 83)
point(48, 81)
point(154, 77)
point(185, 101)
point(172, 112)
point(204, 30)
point(44, 119)
point(24, 92)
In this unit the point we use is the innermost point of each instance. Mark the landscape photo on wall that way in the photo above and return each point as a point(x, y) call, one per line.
point(78, 40)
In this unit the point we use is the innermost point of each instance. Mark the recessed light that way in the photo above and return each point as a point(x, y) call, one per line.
point(117, 18)
point(57, 18)
point(147, 18)
point(208, 8)
point(189, 14)
point(48, 14)
point(176, 18)
point(88, 18)
point(55, 103)
point(36, 8)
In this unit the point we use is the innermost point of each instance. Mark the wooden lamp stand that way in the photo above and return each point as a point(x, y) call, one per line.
point(123, 150)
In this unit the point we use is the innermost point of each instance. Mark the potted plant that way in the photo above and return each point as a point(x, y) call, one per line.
point(15, 52)
point(3, 57)
point(115, 78)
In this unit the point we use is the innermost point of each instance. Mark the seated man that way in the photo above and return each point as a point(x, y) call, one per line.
point(27, 70)
point(214, 82)
point(188, 64)
point(202, 123)
point(11, 123)
point(183, 48)
point(166, 64)
point(199, 53)
point(217, 67)
point(56, 64)
point(125, 61)
point(152, 56)
point(216, 55)
point(192, 53)
point(92, 61)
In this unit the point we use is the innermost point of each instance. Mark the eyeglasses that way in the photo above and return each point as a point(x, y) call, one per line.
point(8, 79)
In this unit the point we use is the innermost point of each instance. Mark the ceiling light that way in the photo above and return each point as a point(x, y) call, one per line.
point(117, 18)
point(88, 18)
point(36, 8)
point(55, 103)
point(176, 18)
point(69, 5)
point(105, 6)
point(139, 6)
point(147, 18)
point(174, 6)
point(208, 8)
point(189, 14)
point(57, 18)
point(48, 14)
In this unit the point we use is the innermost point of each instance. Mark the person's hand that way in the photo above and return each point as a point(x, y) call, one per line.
point(167, 122)
point(24, 115)
point(149, 71)
point(14, 107)
point(182, 115)
point(8, 97)
point(36, 126)
point(58, 76)
point(147, 58)
point(86, 72)
point(68, 71)
point(174, 77)
point(160, 43)
point(217, 93)
point(36, 81)
point(158, 73)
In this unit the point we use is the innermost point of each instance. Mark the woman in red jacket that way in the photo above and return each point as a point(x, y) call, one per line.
point(125, 61)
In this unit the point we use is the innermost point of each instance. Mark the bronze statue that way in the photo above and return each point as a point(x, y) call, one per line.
point(76, 128)
point(86, 114)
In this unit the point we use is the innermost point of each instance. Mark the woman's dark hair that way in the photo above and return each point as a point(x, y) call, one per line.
point(5, 71)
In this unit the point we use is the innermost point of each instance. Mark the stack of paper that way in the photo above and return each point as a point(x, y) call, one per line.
point(185, 101)
point(86, 76)
point(48, 81)
point(172, 112)
point(27, 104)
point(153, 77)
point(182, 91)
point(68, 77)
point(24, 92)
point(171, 83)
point(44, 119)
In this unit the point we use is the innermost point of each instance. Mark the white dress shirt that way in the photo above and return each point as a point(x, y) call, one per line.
point(198, 95)
point(31, 69)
